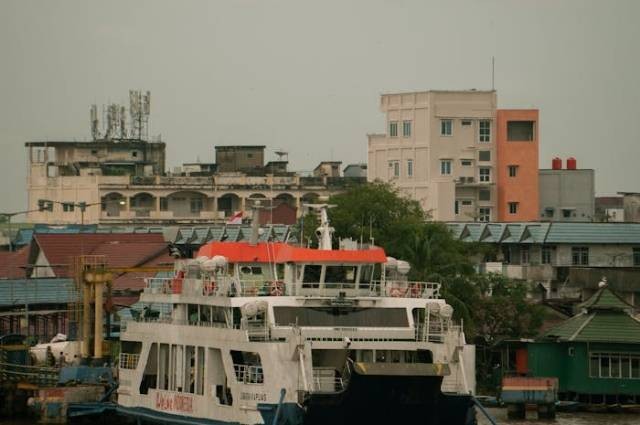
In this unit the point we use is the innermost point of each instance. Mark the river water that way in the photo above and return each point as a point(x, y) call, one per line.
point(501, 417)
point(564, 419)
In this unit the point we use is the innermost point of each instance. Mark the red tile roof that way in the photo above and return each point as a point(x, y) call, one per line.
point(122, 249)
point(12, 264)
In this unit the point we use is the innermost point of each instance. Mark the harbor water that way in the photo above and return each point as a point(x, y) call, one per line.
point(576, 418)
point(501, 418)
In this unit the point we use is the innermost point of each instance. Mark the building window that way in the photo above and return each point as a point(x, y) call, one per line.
point(546, 255)
point(513, 170)
point(446, 127)
point(484, 195)
point(393, 129)
point(466, 203)
point(580, 256)
point(636, 257)
point(520, 131)
point(164, 204)
point(445, 167)
point(484, 131)
point(94, 152)
point(134, 154)
point(614, 365)
point(196, 205)
point(394, 168)
point(466, 162)
point(68, 207)
point(485, 174)
point(513, 207)
point(484, 214)
point(409, 167)
point(456, 207)
point(567, 213)
point(484, 155)
point(524, 255)
point(406, 128)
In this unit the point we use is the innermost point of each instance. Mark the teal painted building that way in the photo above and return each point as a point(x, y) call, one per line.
point(595, 354)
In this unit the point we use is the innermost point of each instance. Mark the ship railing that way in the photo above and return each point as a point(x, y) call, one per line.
point(325, 380)
point(248, 374)
point(436, 331)
point(409, 289)
point(128, 360)
point(171, 321)
point(257, 329)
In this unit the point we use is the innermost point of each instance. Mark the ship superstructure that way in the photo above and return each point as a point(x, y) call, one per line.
point(262, 333)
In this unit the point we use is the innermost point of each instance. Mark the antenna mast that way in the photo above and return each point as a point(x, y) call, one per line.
point(493, 72)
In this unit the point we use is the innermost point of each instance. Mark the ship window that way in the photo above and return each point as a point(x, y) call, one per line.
point(247, 367)
point(189, 369)
point(341, 316)
point(163, 367)
point(150, 375)
point(312, 274)
point(340, 274)
point(368, 273)
point(251, 270)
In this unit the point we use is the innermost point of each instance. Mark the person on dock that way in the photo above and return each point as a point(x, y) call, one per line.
point(50, 360)
point(62, 362)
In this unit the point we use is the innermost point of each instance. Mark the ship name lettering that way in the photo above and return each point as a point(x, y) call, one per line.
point(175, 402)
point(253, 396)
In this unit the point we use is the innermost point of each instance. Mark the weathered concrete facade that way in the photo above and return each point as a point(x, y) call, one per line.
point(567, 195)
point(136, 191)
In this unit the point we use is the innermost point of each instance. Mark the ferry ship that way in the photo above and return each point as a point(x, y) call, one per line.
point(271, 333)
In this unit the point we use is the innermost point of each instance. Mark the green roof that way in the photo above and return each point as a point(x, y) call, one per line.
point(605, 317)
point(605, 299)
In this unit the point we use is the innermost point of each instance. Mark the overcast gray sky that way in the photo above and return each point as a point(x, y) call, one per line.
point(306, 76)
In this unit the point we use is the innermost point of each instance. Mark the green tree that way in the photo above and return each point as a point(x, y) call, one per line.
point(377, 210)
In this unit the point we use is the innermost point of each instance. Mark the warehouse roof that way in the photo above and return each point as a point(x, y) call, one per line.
point(547, 233)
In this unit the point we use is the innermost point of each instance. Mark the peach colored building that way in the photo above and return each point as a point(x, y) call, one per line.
point(517, 165)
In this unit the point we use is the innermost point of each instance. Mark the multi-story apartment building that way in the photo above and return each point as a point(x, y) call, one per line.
point(453, 151)
point(115, 182)
point(439, 149)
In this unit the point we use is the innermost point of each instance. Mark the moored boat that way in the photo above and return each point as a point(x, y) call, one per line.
point(263, 333)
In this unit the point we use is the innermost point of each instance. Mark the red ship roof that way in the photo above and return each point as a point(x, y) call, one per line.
point(242, 252)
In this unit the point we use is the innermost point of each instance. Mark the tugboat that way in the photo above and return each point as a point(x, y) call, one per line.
point(271, 333)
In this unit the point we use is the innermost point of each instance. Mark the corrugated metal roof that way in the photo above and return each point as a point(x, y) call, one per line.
point(548, 233)
point(37, 291)
point(616, 233)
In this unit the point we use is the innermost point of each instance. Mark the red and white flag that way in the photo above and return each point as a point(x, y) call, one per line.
point(236, 218)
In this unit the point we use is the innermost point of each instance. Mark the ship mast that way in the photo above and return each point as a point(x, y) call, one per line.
point(325, 231)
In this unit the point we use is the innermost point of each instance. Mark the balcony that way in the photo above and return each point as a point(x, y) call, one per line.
point(534, 272)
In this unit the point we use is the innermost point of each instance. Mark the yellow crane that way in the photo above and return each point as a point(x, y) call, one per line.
point(92, 274)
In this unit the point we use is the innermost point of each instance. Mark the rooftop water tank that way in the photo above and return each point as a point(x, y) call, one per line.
point(556, 163)
point(572, 164)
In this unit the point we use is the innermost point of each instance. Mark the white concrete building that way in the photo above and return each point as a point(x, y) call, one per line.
point(440, 150)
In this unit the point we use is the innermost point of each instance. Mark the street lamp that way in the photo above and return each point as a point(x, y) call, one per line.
point(10, 215)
